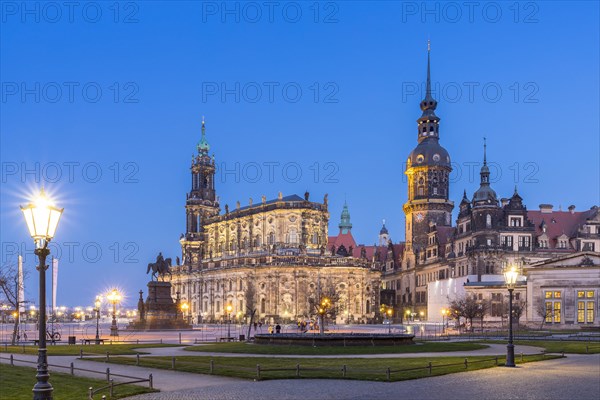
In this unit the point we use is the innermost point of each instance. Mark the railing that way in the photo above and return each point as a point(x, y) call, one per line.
point(343, 371)
point(107, 373)
point(274, 259)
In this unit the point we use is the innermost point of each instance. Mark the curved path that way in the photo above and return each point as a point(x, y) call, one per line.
point(492, 350)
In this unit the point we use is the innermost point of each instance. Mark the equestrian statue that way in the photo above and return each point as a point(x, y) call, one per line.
point(160, 268)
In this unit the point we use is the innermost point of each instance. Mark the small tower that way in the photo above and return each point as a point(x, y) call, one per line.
point(384, 236)
point(345, 224)
point(201, 202)
point(427, 169)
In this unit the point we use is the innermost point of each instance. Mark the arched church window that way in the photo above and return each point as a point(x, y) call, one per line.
point(421, 191)
point(257, 241)
point(488, 221)
point(272, 238)
point(263, 305)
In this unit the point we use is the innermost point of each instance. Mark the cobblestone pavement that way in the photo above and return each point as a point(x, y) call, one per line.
point(574, 377)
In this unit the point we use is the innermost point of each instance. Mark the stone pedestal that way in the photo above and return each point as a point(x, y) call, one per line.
point(160, 311)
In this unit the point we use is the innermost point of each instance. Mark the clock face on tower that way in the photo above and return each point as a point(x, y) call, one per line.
point(419, 217)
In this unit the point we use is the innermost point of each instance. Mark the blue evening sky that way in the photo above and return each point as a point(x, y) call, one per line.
point(103, 105)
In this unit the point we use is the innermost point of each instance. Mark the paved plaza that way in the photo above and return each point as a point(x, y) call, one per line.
point(574, 377)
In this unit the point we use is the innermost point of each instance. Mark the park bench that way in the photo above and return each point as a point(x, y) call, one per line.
point(226, 339)
point(91, 341)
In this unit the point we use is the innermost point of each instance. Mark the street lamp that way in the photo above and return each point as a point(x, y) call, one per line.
point(114, 297)
point(97, 305)
point(323, 307)
point(444, 313)
point(511, 273)
point(42, 219)
point(229, 308)
point(184, 310)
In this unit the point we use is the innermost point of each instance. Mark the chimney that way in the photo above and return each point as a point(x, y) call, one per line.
point(546, 208)
point(503, 201)
point(572, 209)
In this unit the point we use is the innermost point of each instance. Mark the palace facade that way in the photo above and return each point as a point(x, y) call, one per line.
point(276, 256)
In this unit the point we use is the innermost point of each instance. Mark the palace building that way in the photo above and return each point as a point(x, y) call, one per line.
point(276, 256)
point(271, 256)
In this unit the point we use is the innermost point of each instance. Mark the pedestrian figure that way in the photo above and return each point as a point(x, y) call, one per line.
point(270, 329)
point(278, 329)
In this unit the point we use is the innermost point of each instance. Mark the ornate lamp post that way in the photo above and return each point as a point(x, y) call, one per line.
point(444, 313)
point(114, 297)
point(388, 311)
point(184, 310)
point(97, 305)
point(229, 308)
point(323, 307)
point(511, 272)
point(42, 219)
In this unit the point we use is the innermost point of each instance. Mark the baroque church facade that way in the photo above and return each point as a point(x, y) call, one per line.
point(276, 256)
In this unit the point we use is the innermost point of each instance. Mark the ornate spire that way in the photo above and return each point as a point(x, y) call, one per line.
point(428, 89)
point(428, 124)
point(428, 103)
point(203, 145)
point(484, 151)
point(345, 224)
point(485, 170)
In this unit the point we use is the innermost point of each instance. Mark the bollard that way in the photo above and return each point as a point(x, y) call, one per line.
point(211, 367)
point(12, 361)
point(297, 370)
point(161, 341)
point(150, 383)
point(107, 374)
point(258, 372)
point(90, 390)
point(388, 373)
point(23, 348)
point(587, 349)
point(173, 363)
point(81, 354)
point(344, 371)
point(496, 360)
point(107, 357)
point(466, 364)
point(111, 388)
point(521, 356)
point(429, 366)
point(137, 359)
point(562, 353)
point(179, 337)
point(72, 369)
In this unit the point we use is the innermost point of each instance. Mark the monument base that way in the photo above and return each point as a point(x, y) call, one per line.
point(160, 311)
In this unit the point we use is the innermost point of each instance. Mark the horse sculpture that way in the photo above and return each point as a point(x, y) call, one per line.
point(160, 268)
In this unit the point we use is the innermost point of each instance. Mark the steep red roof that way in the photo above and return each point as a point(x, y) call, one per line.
point(558, 222)
point(345, 239)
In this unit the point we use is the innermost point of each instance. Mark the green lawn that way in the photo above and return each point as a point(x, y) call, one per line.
point(66, 350)
point(331, 368)
point(16, 384)
point(556, 346)
point(250, 348)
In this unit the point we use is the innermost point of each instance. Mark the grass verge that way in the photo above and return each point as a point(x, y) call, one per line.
point(73, 350)
point(250, 348)
point(16, 384)
point(559, 346)
point(372, 369)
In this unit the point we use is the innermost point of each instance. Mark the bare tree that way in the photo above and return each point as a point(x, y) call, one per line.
point(542, 311)
point(468, 307)
point(250, 300)
point(9, 292)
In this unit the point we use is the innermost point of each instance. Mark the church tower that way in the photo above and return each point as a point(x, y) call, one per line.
point(201, 202)
point(427, 169)
point(345, 225)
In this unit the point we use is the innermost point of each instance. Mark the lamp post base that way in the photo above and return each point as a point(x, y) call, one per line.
point(510, 356)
